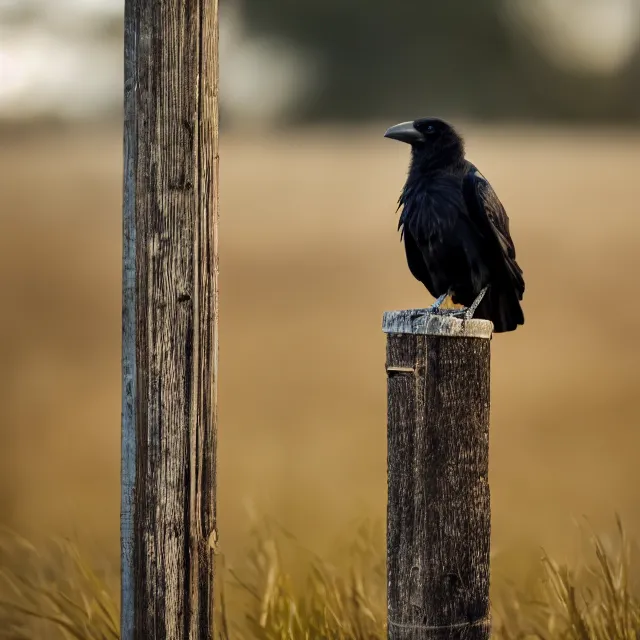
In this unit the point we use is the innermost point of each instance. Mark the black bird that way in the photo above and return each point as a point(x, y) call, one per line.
point(455, 229)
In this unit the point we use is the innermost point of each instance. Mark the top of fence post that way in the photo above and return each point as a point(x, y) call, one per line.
point(425, 322)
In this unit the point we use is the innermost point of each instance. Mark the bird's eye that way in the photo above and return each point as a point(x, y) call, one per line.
point(430, 129)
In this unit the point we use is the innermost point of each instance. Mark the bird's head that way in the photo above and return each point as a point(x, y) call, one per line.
point(434, 142)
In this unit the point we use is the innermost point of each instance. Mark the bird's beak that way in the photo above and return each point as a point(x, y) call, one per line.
point(404, 132)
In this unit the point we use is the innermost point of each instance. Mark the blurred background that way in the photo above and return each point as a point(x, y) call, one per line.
point(547, 94)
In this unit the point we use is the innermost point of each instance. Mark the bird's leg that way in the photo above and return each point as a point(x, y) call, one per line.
point(435, 307)
point(472, 309)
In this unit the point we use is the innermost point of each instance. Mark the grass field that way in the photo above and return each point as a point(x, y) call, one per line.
point(309, 261)
point(284, 592)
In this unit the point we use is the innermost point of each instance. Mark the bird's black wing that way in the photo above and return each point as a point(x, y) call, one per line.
point(491, 220)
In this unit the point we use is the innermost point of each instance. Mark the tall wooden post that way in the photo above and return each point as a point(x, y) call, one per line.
point(169, 348)
point(438, 517)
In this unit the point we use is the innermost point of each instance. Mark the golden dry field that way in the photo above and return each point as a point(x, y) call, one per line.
point(310, 258)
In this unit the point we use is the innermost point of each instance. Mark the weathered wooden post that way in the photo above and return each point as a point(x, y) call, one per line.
point(438, 515)
point(169, 350)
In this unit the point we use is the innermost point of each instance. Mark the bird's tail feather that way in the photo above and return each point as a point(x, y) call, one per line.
point(503, 308)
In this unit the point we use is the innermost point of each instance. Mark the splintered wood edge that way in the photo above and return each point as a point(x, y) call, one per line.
point(423, 322)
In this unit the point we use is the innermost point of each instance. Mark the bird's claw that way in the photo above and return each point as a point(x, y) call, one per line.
point(435, 307)
point(466, 312)
point(472, 309)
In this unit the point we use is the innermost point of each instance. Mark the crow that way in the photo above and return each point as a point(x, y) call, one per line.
point(455, 229)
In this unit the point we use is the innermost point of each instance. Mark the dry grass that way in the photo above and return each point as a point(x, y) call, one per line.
point(53, 589)
point(288, 593)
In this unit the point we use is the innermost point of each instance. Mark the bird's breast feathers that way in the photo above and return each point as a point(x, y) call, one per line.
point(432, 207)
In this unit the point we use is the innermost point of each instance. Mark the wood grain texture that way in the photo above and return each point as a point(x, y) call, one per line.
point(438, 517)
point(170, 289)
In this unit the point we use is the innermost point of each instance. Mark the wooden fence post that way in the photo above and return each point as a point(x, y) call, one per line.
point(438, 514)
point(169, 342)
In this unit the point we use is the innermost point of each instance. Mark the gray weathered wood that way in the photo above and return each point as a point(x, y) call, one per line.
point(438, 514)
point(169, 350)
point(423, 322)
